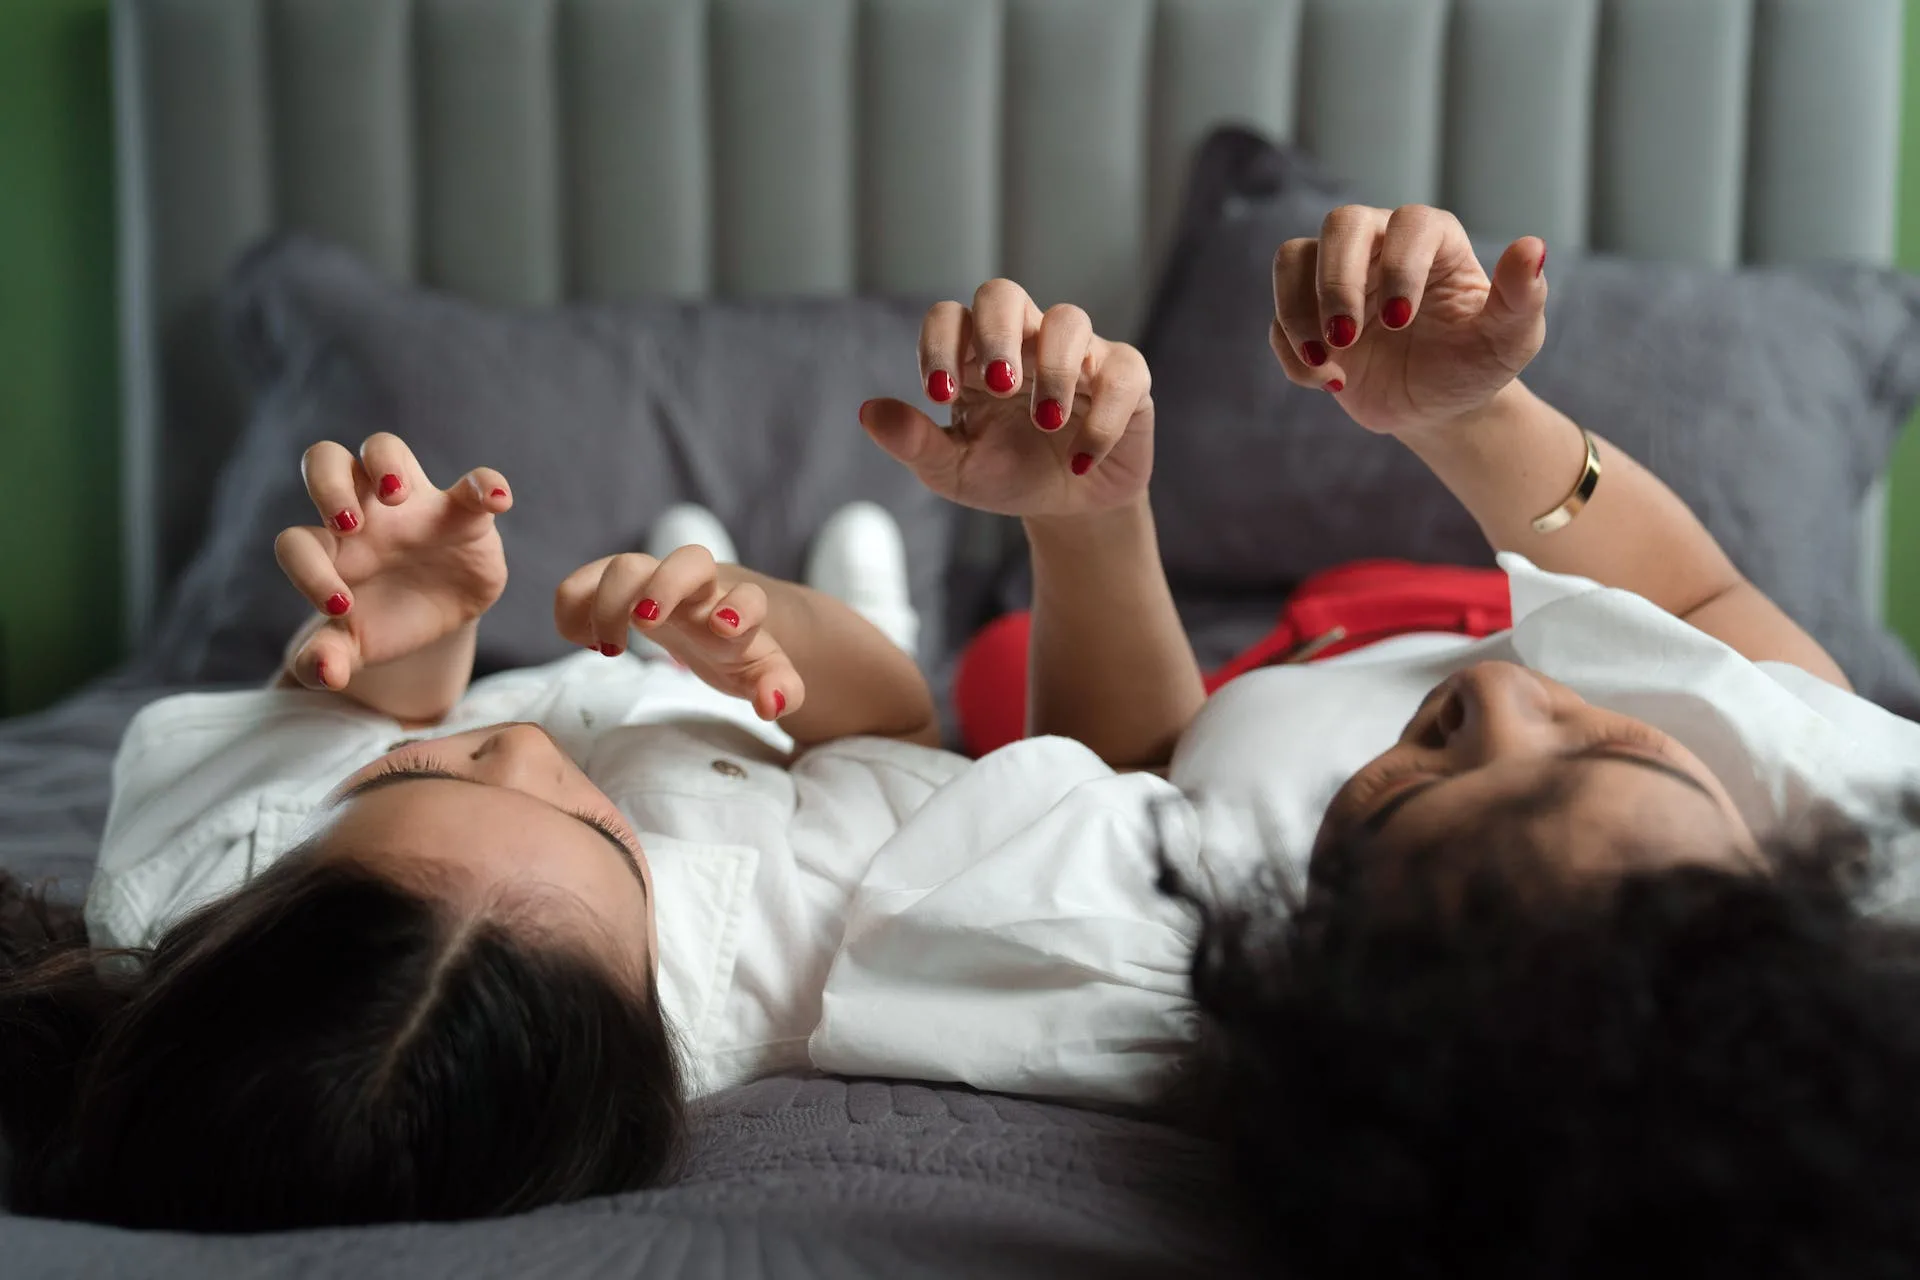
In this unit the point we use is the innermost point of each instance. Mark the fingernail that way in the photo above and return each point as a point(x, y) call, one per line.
point(1341, 331)
point(1313, 353)
point(1082, 463)
point(1000, 377)
point(1050, 416)
point(610, 650)
point(1397, 314)
point(337, 603)
point(647, 611)
point(1336, 386)
point(939, 386)
point(779, 703)
point(1542, 268)
point(727, 616)
point(346, 522)
point(499, 493)
point(389, 485)
point(320, 671)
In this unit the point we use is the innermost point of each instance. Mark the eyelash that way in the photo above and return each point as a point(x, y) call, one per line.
point(1626, 735)
point(422, 767)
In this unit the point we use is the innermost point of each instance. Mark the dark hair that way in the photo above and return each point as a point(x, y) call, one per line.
point(1698, 1070)
point(324, 1046)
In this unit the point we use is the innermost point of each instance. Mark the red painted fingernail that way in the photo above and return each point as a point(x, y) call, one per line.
point(337, 603)
point(346, 522)
point(610, 650)
point(647, 611)
point(727, 616)
point(499, 493)
point(1542, 268)
point(389, 485)
point(1341, 331)
point(939, 386)
point(1397, 314)
point(1313, 353)
point(1082, 463)
point(779, 702)
point(320, 670)
point(1336, 386)
point(1000, 377)
point(1050, 416)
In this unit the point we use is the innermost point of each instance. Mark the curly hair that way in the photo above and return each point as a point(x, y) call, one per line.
point(1698, 1070)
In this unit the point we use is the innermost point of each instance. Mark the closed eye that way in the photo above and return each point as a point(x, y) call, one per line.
point(391, 775)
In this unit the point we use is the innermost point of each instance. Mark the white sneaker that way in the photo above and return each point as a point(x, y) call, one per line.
point(690, 525)
point(860, 557)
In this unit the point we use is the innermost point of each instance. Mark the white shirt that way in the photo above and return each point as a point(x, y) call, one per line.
point(1009, 935)
point(753, 860)
point(994, 923)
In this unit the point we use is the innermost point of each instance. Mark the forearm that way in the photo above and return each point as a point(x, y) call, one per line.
point(1109, 663)
point(417, 690)
point(1519, 458)
point(859, 683)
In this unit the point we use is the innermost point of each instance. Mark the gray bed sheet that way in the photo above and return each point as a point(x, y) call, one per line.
point(790, 1179)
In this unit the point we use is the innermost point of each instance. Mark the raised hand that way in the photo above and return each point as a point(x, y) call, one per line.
point(397, 564)
point(1047, 417)
point(1393, 314)
point(687, 605)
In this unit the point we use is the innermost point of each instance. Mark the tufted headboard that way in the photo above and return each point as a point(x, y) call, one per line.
point(537, 151)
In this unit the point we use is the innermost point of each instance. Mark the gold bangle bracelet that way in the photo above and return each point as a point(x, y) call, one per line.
point(1562, 516)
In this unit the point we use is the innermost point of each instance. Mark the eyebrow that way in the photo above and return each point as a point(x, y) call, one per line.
point(1605, 751)
point(394, 777)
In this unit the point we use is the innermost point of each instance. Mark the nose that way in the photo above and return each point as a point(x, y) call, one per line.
point(521, 756)
point(1492, 710)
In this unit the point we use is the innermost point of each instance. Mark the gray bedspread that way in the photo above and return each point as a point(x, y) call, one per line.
point(789, 1179)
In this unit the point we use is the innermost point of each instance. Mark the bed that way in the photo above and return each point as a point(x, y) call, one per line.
point(532, 153)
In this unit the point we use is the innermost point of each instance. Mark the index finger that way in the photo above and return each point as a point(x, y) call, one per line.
point(1348, 240)
point(944, 335)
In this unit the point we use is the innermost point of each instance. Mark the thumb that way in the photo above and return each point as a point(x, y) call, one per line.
point(328, 660)
point(912, 438)
point(1515, 317)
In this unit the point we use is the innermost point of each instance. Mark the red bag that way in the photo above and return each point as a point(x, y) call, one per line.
point(1344, 608)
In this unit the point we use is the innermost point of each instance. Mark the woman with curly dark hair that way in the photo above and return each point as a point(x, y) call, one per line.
point(1574, 950)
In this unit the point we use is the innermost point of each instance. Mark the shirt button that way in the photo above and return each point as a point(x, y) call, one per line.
point(728, 769)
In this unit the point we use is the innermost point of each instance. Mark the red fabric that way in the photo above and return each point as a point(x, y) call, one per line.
point(1342, 609)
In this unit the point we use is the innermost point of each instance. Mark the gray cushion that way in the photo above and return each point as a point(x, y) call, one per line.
point(600, 417)
point(1768, 399)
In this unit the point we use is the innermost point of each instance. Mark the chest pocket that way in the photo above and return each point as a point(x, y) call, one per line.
point(707, 781)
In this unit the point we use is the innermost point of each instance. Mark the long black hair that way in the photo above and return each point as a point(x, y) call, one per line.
point(324, 1046)
point(1693, 1070)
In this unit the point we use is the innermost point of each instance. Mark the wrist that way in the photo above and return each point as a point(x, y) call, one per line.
point(1090, 528)
point(1511, 403)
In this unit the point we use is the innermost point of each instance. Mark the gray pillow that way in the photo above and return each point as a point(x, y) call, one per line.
point(600, 416)
point(1768, 399)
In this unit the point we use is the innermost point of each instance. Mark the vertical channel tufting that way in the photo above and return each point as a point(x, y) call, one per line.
point(1826, 119)
point(1371, 81)
point(1075, 153)
point(929, 103)
point(343, 124)
point(639, 183)
point(1215, 62)
point(1519, 132)
point(1669, 166)
point(784, 146)
point(205, 181)
point(489, 149)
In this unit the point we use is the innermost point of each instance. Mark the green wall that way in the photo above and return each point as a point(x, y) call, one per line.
point(59, 551)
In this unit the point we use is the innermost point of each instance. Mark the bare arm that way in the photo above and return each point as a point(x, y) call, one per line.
point(1518, 457)
point(1109, 663)
point(858, 681)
